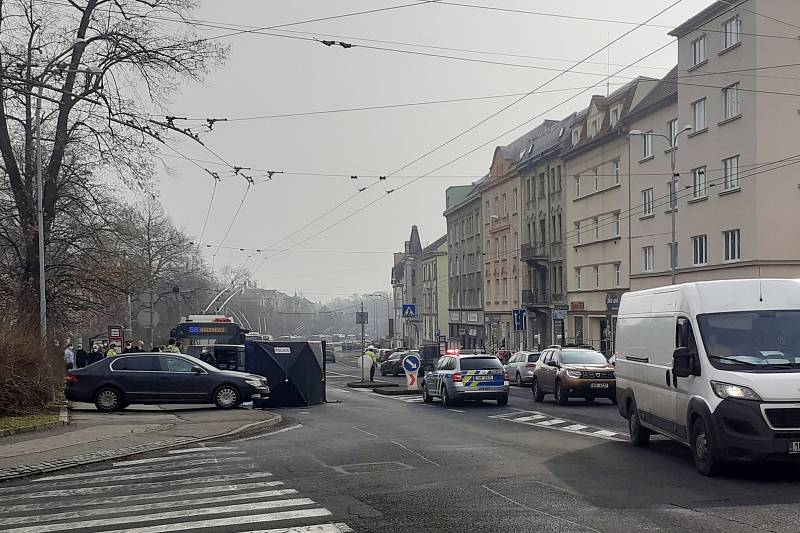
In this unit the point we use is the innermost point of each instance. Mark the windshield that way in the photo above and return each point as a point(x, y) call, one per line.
point(752, 340)
point(582, 357)
point(480, 363)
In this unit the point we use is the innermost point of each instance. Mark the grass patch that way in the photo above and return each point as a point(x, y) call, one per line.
point(15, 422)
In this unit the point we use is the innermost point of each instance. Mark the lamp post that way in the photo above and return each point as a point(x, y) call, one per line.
point(388, 309)
point(673, 191)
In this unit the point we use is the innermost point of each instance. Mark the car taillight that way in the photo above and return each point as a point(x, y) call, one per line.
point(457, 377)
point(72, 378)
point(530, 365)
point(505, 376)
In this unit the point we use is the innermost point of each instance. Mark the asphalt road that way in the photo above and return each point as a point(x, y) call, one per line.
point(392, 464)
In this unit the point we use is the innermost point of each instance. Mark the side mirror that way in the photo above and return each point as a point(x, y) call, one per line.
point(197, 370)
point(682, 362)
point(552, 363)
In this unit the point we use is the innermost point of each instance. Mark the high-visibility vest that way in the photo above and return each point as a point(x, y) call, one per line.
point(111, 353)
point(173, 349)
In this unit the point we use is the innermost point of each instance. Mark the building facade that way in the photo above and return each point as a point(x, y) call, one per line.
point(464, 266)
point(434, 290)
point(407, 289)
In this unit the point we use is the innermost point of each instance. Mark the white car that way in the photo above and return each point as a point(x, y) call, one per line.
point(520, 367)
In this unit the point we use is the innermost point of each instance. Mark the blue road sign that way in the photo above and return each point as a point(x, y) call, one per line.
point(409, 311)
point(437, 333)
point(519, 320)
point(411, 363)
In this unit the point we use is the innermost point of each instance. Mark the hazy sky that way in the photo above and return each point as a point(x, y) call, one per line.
point(268, 75)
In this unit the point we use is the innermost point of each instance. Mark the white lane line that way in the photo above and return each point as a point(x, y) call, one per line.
point(553, 422)
point(179, 463)
point(413, 400)
point(604, 433)
point(366, 432)
point(156, 485)
point(515, 502)
point(527, 418)
point(456, 410)
point(202, 449)
point(415, 453)
point(506, 414)
point(322, 528)
point(283, 430)
point(204, 525)
point(575, 427)
point(74, 503)
point(71, 515)
point(105, 522)
point(176, 460)
point(113, 477)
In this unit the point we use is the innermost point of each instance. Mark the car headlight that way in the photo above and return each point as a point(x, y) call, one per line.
point(254, 382)
point(728, 390)
point(574, 373)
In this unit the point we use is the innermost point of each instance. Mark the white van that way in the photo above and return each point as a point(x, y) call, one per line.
point(714, 365)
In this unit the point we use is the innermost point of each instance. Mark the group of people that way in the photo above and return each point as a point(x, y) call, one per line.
point(78, 357)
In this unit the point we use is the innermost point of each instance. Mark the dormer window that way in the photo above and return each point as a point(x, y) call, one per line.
point(576, 135)
point(614, 116)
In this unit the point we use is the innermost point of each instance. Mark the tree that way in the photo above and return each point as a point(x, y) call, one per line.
point(88, 61)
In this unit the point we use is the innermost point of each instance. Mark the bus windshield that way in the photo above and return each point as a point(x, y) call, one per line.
point(207, 333)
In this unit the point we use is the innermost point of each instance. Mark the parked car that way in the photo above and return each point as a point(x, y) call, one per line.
point(384, 353)
point(394, 364)
point(466, 377)
point(714, 365)
point(114, 383)
point(330, 355)
point(573, 372)
point(520, 367)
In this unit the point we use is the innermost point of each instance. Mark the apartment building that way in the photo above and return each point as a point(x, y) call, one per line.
point(433, 264)
point(737, 186)
point(597, 250)
point(543, 251)
point(407, 289)
point(465, 265)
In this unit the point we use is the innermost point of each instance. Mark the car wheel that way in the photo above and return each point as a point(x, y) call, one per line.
point(108, 399)
point(538, 395)
point(703, 450)
point(502, 401)
point(519, 381)
point(425, 396)
point(561, 396)
point(446, 402)
point(226, 397)
point(640, 436)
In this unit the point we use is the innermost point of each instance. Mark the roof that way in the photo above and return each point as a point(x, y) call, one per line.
point(709, 13)
point(548, 139)
point(518, 149)
point(664, 93)
point(469, 198)
point(434, 246)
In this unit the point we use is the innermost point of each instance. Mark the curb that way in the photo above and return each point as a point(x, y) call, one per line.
point(371, 384)
point(119, 453)
point(63, 420)
point(389, 391)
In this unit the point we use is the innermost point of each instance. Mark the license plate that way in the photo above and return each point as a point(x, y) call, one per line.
point(794, 446)
point(483, 378)
point(598, 386)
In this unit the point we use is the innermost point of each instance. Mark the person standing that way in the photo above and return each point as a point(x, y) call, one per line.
point(372, 355)
point(95, 355)
point(128, 347)
point(112, 350)
point(69, 357)
point(171, 347)
point(81, 357)
point(140, 347)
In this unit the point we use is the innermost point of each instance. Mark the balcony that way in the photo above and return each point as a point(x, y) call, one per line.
point(535, 298)
point(535, 252)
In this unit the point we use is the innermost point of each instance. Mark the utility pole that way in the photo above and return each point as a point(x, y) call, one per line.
point(362, 330)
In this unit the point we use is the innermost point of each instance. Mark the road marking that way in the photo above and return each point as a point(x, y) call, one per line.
point(194, 491)
point(70, 515)
point(104, 489)
point(180, 462)
point(283, 430)
point(456, 410)
point(605, 433)
point(200, 525)
point(413, 400)
point(203, 449)
point(528, 418)
point(322, 528)
point(176, 460)
point(367, 432)
point(109, 476)
point(538, 419)
point(105, 522)
point(553, 422)
point(575, 427)
point(515, 502)
point(416, 453)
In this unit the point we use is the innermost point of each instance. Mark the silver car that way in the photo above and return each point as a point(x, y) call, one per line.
point(466, 377)
point(520, 367)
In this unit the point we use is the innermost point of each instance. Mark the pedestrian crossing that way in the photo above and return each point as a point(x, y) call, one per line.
point(200, 489)
point(542, 420)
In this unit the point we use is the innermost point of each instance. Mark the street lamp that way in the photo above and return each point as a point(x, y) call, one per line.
point(388, 309)
point(673, 190)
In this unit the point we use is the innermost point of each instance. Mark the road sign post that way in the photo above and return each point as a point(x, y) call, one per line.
point(411, 364)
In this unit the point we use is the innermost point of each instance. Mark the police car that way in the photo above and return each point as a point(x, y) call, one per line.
point(465, 377)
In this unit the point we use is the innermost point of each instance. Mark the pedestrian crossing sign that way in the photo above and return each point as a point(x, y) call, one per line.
point(409, 311)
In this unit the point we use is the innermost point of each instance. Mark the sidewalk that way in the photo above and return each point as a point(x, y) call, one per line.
point(92, 436)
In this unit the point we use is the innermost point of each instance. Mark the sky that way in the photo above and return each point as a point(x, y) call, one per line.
point(349, 250)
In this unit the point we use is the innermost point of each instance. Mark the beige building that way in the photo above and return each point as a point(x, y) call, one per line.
point(597, 195)
point(433, 262)
point(738, 192)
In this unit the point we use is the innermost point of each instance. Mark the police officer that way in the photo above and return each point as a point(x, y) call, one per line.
point(171, 347)
point(112, 350)
point(372, 355)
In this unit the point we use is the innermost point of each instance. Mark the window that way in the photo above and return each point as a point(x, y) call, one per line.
point(560, 235)
point(135, 364)
point(615, 171)
point(731, 106)
point(699, 115)
point(614, 116)
point(488, 250)
point(596, 226)
point(516, 241)
point(596, 272)
point(577, 278)
point(672, 253)
point(505, 289)
point(497, 247)
point(175, 364)
point(578, 186)
point(541, 185)
point(558, 176)
point(496, 205)
point(730, 31)
point(672, 131)
point(698, 50)
point(505, 246)
point(647, 202)
point(673, 199)
point(647, 258)
point(596, 180)
point(593, 128)
point(730, 168)
point(560, 279)
point(578, 329)
point(700, 249)
point(699, 185)
point(615, 227)
point(505, 204)
point(578, 232)
point(576, 135)
point(516, 201)
point(647, 144)
point(488, 289)
point(733, 244)
point(618, 275)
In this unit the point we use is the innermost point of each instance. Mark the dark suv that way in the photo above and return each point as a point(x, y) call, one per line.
point(114, 383)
